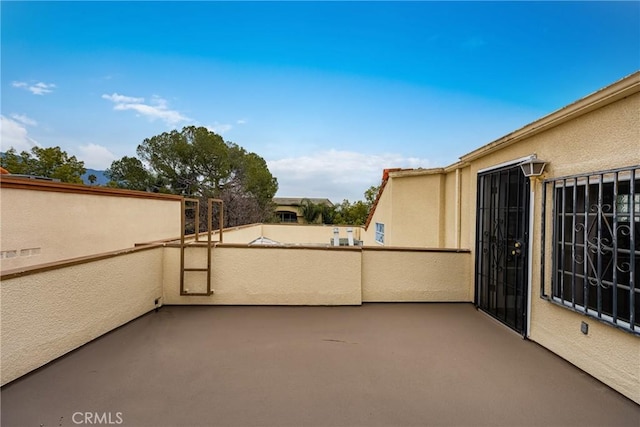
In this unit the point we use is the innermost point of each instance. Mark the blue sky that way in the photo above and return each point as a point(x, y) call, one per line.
point(329, 93)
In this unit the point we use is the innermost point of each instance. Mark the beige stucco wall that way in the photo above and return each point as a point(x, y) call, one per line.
point(455, 214)
point(311, 276)
point(390, 275)
point(467, 214)
point(270, 276)
point(47, 226)
point(241, 234)
point(307, 233)
point(292, 234)
point(45, 315)
point(417, 196)
point(425, 209)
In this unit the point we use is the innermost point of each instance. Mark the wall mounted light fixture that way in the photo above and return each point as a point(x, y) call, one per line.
point(533, 166)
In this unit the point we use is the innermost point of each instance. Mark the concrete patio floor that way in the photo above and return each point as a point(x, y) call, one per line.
point(375, 365)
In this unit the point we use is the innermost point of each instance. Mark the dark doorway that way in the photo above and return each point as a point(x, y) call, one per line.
point(502, 234)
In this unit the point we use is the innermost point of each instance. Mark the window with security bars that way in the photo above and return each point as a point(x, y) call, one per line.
point(596, 245)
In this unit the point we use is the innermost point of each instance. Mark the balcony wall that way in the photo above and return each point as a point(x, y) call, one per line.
point(305, 234)
point(289, 234)
point(44, 222)
point(401, 275)
point(298, 275)
point(51, 310)
point(241, 234)
point(263, 275)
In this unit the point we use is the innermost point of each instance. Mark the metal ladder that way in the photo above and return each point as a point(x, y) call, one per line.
point(189, 204)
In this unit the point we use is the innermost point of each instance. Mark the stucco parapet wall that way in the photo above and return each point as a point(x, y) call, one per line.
point(237, 227)
point(35, 185)
point(324, 247)
point(621, 89)
point(456, 166)
point(432, 171)
point(39, 268)
point(414, 249)
point(319, 247)
point(415, 172)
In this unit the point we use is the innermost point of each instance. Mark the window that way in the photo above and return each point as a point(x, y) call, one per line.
point(286, 216)
point(380, 233)
point(596, 245)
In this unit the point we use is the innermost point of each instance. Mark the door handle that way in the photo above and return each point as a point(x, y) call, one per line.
point(517, 249)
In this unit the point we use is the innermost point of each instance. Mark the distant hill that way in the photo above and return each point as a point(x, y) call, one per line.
point(102, 179)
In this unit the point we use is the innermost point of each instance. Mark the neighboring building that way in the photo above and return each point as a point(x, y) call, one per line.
point(288, 209)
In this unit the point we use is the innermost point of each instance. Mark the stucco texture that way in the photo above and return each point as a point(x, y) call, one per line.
point(272, 276)
point(68, 225)
point(306, 234)
point(422, 196)
point(293, 234)
point(417, 276)
point(47, 314)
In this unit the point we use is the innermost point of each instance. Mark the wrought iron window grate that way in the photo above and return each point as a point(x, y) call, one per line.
point(595, 248)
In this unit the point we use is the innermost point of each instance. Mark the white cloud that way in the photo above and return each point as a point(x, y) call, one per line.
point(39, 88)
point(95, 156)
point(156, 109)
point(118, 99)
point(219, 128)
point(336, 174)
point(242, 121)
point(22, 118)
point(14, 134)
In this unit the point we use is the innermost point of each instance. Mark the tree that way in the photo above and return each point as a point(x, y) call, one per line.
point(92, 178)
point(196, 162)
point(129, 172)
point(356, 213)
point(310, 211)
point(50, 162)
point(328, 213)
point(371, 194)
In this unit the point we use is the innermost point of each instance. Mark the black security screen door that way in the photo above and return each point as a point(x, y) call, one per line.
point(501, 245)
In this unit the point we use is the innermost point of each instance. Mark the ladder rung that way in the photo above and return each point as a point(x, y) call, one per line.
point(197, 294)
point(196, 269)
